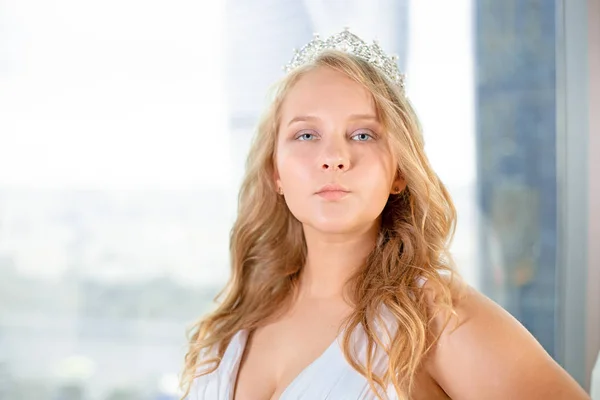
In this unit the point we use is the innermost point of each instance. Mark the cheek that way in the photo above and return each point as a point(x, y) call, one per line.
point(375, 189)
point(298, 180)
point(294, 169)
point(377, 172)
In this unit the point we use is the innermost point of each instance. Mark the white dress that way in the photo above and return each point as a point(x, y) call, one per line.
point(328, 377)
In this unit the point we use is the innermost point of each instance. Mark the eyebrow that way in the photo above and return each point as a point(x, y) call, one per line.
point(353, 117)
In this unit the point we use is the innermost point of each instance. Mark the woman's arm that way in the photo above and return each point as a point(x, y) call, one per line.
point(489, 355)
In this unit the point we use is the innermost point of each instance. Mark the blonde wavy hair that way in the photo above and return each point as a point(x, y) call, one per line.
point(268, 249)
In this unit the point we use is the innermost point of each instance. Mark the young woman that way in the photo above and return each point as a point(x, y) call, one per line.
point(342, 286)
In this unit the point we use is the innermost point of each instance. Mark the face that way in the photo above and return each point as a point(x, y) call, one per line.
point(333, 162)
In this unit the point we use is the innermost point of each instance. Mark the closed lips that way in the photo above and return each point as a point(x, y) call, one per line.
point(333, 188)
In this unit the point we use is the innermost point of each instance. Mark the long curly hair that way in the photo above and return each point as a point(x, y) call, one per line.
point(268, 248)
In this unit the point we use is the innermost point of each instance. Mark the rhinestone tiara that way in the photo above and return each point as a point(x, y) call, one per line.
point(349, 43)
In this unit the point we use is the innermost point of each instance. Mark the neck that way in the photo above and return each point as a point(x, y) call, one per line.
point(331, 261)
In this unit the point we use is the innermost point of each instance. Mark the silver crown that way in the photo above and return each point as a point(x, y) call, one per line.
point(349, 43)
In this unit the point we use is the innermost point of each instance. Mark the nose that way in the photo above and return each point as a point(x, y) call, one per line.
point(336, 157)
point(336, 164)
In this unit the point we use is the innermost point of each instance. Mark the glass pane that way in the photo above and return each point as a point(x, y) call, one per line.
point(123, 133)
point(116, 194)
point(516, 153)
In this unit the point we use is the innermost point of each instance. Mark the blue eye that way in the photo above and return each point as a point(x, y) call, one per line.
point(362, 137)
point(305, 136)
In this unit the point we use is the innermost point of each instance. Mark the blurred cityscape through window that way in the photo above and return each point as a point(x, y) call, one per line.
point(124, 127)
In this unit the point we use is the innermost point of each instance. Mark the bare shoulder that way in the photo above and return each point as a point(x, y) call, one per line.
point(485, 353)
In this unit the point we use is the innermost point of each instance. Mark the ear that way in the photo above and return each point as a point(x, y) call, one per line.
point(276, 179)
point(398, 185)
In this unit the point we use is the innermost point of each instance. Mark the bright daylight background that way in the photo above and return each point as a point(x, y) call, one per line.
point(123, 131)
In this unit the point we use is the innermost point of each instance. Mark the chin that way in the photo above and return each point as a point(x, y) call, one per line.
point(337, 221)
point(334, 226)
